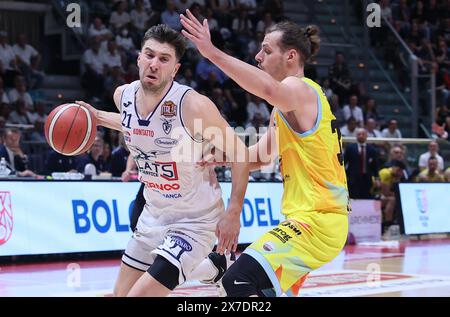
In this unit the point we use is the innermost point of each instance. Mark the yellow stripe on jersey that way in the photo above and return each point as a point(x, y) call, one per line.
point(311, 163)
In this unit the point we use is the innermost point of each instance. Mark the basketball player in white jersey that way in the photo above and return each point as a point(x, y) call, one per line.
point(184, 210)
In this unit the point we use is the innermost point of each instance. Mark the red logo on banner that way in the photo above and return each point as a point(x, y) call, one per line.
point(6, 217)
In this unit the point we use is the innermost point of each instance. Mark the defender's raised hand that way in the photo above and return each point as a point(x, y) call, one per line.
point(197, 32)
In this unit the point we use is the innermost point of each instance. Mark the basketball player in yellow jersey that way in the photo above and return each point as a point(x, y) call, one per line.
point(315, 198)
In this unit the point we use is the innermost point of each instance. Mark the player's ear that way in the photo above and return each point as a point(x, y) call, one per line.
point(139, 57)
point(175, 70)
point(291, 55)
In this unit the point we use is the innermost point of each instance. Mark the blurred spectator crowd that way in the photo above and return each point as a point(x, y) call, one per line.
point(424, 25)
point(114, 36)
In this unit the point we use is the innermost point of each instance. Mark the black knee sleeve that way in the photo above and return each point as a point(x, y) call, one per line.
point(138, 206)
point(246, 277)
point(164, 272)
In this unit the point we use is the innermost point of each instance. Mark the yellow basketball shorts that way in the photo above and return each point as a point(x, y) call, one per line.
point(303, 242)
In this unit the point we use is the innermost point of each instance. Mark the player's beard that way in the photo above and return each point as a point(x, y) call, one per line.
point(276, 70)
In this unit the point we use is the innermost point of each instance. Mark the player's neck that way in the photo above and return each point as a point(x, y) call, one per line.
point(296, 72)
point(149, 99)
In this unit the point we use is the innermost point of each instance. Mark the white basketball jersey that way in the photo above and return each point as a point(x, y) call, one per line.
point(166, 155)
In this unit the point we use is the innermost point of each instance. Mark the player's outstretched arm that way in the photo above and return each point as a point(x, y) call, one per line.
point(107, 119)
point(217, 131)
point(251, 78)
point(260, 154)
point(104, 118)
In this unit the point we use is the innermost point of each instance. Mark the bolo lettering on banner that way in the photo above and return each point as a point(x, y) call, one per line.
point(94, 216)
point(99, 215)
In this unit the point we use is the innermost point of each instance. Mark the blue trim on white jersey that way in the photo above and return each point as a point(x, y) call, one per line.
point(120, 101)
point(150, 115)
point(181, 119)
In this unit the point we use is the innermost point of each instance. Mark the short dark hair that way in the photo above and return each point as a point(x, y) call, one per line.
point(399, 164)
point(164, 34)
point(304, 40)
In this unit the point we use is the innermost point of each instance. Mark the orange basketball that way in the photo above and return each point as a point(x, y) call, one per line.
point(70, 129)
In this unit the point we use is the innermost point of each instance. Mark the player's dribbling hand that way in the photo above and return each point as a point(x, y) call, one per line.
point(86, 105)
point(227, 232)
point(197, 32)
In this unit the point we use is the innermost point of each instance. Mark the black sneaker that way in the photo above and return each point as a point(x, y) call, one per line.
point(221, 263)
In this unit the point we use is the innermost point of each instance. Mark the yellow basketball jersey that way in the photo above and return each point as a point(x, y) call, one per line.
point(312, 163)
